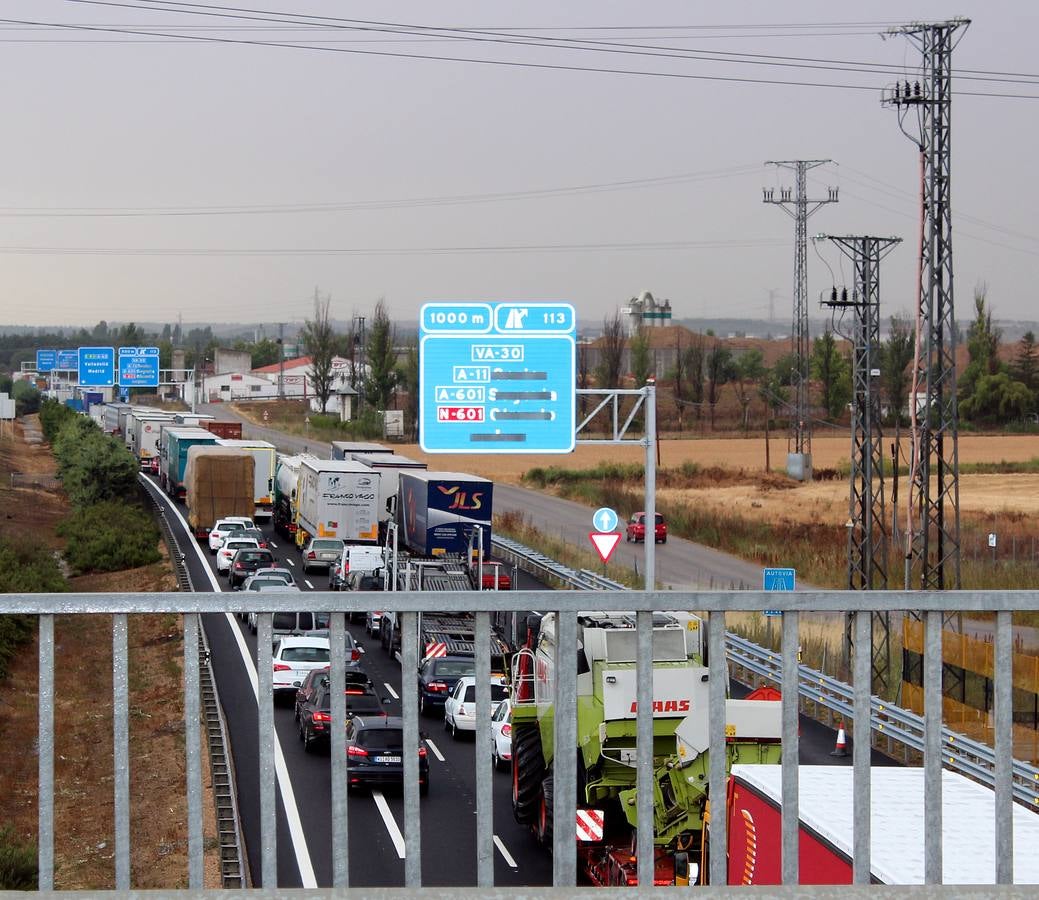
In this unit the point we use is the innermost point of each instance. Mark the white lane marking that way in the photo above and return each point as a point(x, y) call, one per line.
point(435, 749)
point(390, 822)
point(393, 693)
point(308, 584)
point(505, 853)
point(275, 546)
point(288, 796)
point(290, 562)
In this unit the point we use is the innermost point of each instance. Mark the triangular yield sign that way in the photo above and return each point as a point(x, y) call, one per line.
point(604, 543)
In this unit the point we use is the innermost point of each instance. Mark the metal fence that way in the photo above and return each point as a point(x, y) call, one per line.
point(566, 604)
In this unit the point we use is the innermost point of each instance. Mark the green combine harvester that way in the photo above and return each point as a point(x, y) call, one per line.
point(606, 733)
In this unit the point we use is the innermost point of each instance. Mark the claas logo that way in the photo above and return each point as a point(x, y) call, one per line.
point(665, 706)
point(461, 499)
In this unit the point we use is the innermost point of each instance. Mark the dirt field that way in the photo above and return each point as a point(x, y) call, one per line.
point(755, 497)
point(84, 805)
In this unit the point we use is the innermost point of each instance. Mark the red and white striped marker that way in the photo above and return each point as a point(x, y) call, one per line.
point(589, 824)
point(435, 649)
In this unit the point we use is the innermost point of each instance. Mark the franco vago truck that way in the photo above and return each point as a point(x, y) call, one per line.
point(336, 499)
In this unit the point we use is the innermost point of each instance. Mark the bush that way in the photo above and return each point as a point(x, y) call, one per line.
point(53, 416)
point(94, 467)
point(18, 863)
point(23, 569)
point(110, 536)
point(26, 397)
point(367, 426)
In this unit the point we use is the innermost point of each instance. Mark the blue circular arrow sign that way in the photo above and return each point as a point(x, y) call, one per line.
point(604, 519)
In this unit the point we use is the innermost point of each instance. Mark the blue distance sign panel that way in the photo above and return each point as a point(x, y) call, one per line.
point(139, 366)
point(497, 377)
point(778, 579)
point(96, 366)
point(46, 360)
point(68, 361)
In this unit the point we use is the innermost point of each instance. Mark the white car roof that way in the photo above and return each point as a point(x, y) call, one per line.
point(304, 641)
point(240, 542)
point(242, 520)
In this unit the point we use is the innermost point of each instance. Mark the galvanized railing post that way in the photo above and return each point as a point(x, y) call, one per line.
point(564, 757)
point(933, 747)
point(45, 738)
point(718, 686)
point(484, 793)
point(337, 742)
point(193, 751)
point(121, 749)
point(861, 747)
point(266, 737)
point(644, 738)
point(409, 658)
point(791, 749)
point(1004, 750)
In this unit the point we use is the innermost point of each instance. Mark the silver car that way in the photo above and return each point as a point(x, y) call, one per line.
point(321, 553)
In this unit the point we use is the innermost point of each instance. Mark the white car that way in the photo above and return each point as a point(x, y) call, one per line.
point(226, 526)
point(293, 658)
point(460, 705)
point(501, 735)
point(231, 546)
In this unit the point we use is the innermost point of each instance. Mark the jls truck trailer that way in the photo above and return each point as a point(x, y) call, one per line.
point(437, 512)
point(336, 499)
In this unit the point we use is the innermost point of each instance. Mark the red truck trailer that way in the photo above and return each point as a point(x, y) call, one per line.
point(896, 827)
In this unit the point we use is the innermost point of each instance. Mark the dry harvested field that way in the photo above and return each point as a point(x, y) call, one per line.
point(755, 497)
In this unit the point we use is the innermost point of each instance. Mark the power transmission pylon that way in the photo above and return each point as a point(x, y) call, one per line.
point(867, 522)
point(801, 207)
point(933, 545)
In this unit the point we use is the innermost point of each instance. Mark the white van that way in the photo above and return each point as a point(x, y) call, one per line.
point(355, 558)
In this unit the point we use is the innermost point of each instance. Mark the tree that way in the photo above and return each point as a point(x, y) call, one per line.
point(584, 376)
point(982, 347)
point(748, 370)
point(895, 356)
point(719, 370)
point(640, 356)
point(319, 339)
point(611, 354)
point(1025, 367)
point(265, 352)
point(381, 356)
point(997, 398)
point(408, 379)
point(832, 369)
point(785, 369)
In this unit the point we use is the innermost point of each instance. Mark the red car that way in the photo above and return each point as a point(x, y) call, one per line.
point(636, 530)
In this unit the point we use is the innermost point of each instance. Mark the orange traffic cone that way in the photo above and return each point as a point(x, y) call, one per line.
point(842, 742)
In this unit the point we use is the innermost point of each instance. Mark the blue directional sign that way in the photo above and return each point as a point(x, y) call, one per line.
point(96, 366)
point(604, 519)
point(46, 360)
point(138, 367)
point(497, 377)
point(779, 579)
point(68, 361)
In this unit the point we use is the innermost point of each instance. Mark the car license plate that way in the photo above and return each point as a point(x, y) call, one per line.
point(387, 759)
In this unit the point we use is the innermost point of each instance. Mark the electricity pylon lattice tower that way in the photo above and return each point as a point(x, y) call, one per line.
point(867, 521)
point(799, 206)
point(924, 109)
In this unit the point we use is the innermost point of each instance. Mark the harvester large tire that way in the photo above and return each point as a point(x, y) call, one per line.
point(528, 770)
point(543, 825)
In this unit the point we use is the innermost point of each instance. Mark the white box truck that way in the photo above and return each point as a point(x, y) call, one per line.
point(337, 499)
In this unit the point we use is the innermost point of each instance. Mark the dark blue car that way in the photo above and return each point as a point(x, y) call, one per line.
point(437, 677)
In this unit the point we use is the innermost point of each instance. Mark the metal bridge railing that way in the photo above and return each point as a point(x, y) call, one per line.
point(566, 605)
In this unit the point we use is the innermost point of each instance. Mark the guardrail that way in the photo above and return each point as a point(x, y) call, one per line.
point(998, 817)
point(888, 723)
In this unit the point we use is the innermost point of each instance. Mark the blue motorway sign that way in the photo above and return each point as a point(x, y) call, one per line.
point(497, 377)
point(138, 367)
point(96, 366)
point(46, 360)
point(68, 361)
point(778, 579)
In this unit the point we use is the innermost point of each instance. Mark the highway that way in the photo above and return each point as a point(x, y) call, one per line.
point(375, 819)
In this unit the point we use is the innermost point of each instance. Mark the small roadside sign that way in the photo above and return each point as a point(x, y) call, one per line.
point(604, 519)
point(778, 579)
point(773, 612)
point(604, 544)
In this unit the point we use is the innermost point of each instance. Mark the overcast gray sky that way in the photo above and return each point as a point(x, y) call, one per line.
point(147, 177)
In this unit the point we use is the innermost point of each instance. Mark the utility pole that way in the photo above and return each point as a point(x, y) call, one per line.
point(359, 341)
point(799, 460)
point(281, 360)
point(924, 115)
point(867, 523)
